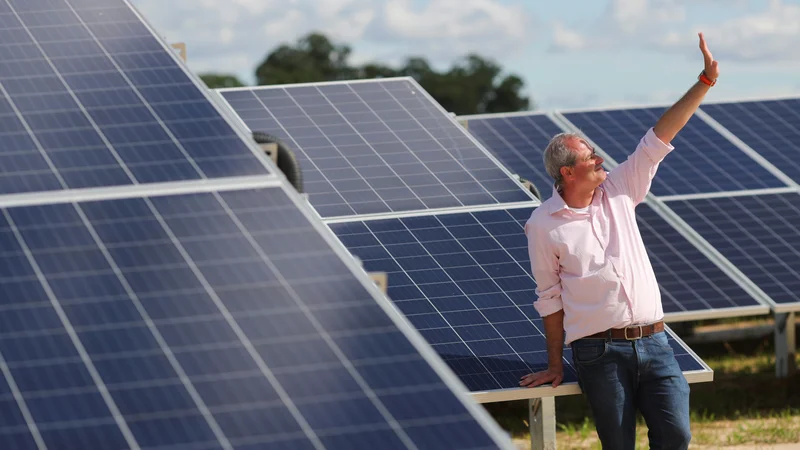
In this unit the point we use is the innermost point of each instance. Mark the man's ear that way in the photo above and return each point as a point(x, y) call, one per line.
point(566, 172)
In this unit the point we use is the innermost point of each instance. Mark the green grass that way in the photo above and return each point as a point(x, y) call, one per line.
point(745, 404)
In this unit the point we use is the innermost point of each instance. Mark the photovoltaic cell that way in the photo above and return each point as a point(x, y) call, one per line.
point(518, 141)
point(89, 97)
point(204, 321)
point(464, 281)
point(703, 161)
point(759, 234)
point(375, 147)
point(772, 128)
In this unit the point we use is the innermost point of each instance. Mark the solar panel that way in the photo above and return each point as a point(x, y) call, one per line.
point(759, 234)
point(772, 128)
point(89, 97)
point(692, 286)
point(518, 142)
point(463, 280)
point(704, 161)
point(376, 146)
point(207, 320)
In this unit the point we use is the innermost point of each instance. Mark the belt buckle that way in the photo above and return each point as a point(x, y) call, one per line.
point(641, 331)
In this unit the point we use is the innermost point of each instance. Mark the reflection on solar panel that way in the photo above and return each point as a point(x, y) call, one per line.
point(692, 286)
point(464, 281)
point(213, 320)
point(375, 147)
point(703, 161)
point(759, 234)
point(89, 97)
point(518, 141)
point(772, 128)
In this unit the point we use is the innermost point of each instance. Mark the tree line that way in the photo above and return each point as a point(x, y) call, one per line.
point(472, 85)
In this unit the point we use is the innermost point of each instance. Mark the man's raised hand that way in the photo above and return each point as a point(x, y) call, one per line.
point(711, 67)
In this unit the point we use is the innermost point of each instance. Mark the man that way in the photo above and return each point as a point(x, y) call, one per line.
point(596, 285)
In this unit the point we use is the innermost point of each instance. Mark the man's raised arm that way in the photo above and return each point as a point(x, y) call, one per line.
point(679, 114)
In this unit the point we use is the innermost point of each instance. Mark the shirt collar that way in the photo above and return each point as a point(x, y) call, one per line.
point(556, 203)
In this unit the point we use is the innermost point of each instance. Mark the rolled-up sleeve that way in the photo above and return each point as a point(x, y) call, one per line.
point(635, 175)
point(545, 270)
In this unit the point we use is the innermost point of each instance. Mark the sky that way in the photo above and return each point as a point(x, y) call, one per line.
point(572, 54)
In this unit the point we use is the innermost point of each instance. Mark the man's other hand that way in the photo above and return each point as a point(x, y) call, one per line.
point(711, 67)
point(538, 378)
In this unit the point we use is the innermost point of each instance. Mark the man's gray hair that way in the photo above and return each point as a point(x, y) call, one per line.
point(559, 154)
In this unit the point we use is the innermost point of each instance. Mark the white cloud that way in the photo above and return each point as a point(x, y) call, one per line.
point(771, 34)
point(624, 22)
point(454, 20)
point(234, 36)
point(566, 39)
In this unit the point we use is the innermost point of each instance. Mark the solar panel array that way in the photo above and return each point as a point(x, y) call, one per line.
point(465, 286)
point(376, 147)
point(203, 319)
point(464, 281)
point(692, 286)
point(90, 98)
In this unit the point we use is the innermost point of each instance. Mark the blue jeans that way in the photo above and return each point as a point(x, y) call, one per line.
point(619, 377)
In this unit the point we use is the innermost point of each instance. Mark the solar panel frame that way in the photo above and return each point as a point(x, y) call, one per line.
point(368, 239)
point(271, 185)
point(271, 178)
point(218, 112)
point(337, 210)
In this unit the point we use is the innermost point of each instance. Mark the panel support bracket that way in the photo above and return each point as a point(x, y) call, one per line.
point(785, 345)
point(543, 423)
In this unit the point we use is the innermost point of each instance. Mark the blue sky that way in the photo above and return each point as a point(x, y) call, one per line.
point(571, 54)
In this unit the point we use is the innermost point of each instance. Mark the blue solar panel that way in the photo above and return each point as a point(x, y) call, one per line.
point(376, 147)
point(464, 281)
point(759, 234)
point(689, 281)
point(519, 143)
point(204, 321)
point(772, 128)
point(90, 97)
point(703, 161)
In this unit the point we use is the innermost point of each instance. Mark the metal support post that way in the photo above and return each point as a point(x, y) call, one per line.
point(543, 423)
point(785, 345)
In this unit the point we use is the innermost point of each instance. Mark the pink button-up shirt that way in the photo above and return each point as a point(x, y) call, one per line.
point(594, 265)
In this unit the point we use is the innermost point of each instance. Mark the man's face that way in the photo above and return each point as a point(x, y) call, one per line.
point(587, 173)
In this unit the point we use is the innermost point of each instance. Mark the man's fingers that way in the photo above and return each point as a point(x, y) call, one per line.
point(704, 48)
point(536, 379)
point(557, 381)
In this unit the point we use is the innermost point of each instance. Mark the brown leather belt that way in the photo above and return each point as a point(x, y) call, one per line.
point(630, 333)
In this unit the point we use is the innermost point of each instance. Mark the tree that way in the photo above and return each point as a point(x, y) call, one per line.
point(313, 58)
point(219, 81)
point(473, 85)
